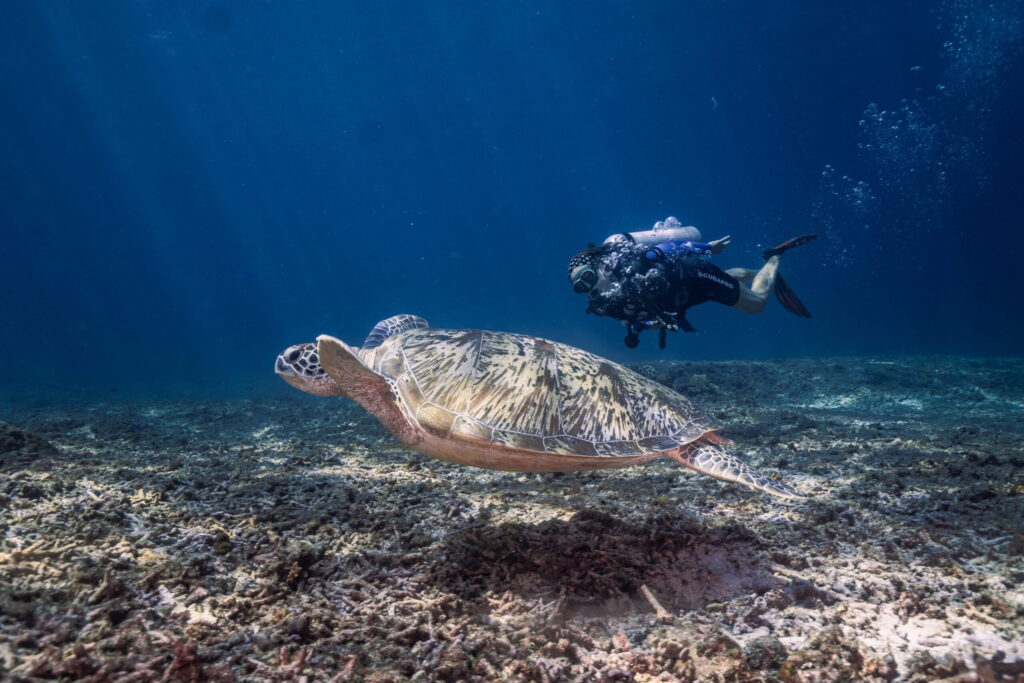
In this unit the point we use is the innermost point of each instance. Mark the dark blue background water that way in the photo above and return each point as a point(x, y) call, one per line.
point(189, 187)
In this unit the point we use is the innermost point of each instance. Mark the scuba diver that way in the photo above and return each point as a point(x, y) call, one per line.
point(649, 279)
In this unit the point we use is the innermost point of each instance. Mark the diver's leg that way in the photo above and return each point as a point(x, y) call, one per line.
point(742, 274)
point(749, 302)
point(765, 278)
point(753, 300)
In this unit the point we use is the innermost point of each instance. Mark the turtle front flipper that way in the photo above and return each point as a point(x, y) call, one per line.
point(717, 462)
point(345, 367)
point(368, 388)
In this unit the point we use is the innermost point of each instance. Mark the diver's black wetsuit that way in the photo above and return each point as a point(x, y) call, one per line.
point(643, 285)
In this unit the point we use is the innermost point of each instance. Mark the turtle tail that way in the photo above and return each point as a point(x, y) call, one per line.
point(717, 462)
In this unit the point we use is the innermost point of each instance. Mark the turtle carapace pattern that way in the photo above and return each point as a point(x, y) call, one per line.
point(532, 393)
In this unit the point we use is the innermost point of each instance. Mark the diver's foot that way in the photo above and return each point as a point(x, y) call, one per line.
point(632, 340)
point(788, 244)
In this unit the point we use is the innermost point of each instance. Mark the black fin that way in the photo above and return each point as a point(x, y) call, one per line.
point(788, 299)
point(788, 244)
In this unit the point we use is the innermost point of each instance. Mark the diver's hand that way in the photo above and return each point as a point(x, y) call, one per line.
point(668, 322)
point(719, 245)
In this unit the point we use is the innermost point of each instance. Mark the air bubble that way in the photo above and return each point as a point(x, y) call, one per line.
point(925, 152)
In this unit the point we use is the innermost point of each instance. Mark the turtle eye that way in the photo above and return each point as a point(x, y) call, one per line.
point(294, 355)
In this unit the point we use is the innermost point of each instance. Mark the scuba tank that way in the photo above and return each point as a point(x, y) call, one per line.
point(668, 230)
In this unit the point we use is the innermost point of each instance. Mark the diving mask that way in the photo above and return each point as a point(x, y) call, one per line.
point(584, 279)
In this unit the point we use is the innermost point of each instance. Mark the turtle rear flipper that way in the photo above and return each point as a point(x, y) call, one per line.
point(717, 462)
point(394, 325)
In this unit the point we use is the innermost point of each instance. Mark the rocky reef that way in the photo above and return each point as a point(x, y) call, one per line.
point(290, 538)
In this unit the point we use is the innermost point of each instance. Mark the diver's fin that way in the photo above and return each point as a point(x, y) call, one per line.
point(788, 244)
point(788, 299)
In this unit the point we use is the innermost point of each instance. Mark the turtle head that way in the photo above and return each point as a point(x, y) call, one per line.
point(299, 365)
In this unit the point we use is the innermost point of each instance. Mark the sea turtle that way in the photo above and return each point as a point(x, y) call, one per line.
point(512, 402)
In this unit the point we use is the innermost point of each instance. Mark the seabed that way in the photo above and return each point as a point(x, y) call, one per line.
point(291, 538)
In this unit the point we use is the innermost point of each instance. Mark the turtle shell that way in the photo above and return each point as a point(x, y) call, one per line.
point(529, 393)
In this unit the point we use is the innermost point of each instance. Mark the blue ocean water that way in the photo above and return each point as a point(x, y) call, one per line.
point(190, 187)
